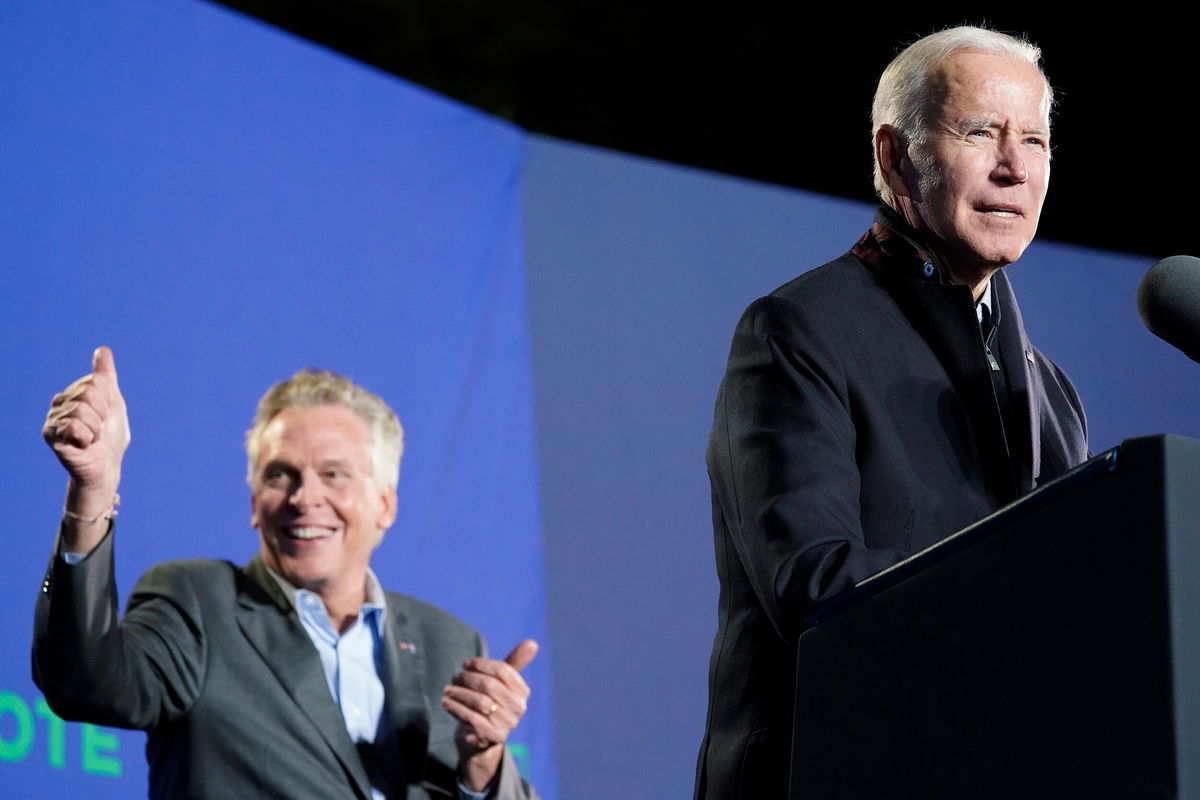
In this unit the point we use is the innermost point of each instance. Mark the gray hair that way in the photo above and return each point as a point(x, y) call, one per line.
point(319, 387)
point(903, 96)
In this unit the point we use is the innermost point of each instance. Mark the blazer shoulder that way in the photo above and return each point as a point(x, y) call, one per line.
point(197, 572)
point(844, 275)
point(192, 584)
point(827, 301)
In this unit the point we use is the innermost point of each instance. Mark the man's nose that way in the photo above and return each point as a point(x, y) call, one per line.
point(306, 493)
point(1010, 164)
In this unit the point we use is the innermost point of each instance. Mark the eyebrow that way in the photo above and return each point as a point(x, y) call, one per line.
point(975, 123)
point(978, 123)
point(275, 465)
point(287, 466)
point(340, 463)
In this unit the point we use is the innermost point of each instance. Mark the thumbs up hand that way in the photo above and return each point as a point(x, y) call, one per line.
point(87, 427)
point(488, 698)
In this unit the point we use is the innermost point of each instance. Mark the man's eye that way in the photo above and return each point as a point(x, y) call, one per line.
point(275, 477)
point(980, 133)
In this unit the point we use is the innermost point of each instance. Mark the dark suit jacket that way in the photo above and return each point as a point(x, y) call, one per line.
point(856, 424)
point(212, 662)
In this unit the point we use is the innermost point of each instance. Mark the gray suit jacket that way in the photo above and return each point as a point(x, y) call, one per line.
point(212, 662)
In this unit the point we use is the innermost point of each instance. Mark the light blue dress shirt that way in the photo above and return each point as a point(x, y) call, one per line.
point(353, 661)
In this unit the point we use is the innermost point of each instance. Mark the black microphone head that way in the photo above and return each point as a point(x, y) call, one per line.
point(1168, 299)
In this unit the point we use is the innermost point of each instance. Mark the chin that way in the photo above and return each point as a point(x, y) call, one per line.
point(1010, 256)
point(1000, 254)
point(304, 579)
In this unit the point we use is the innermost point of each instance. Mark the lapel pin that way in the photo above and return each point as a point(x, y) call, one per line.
point(409, 646)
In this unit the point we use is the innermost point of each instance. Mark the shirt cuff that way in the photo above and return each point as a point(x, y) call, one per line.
point(466, 794)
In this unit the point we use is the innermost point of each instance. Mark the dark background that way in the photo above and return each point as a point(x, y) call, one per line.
point(772, 92)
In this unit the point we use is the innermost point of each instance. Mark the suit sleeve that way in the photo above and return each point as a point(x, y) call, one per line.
point(1064, 423)
point(782, 460)
point(95, 667)
point(511, 786)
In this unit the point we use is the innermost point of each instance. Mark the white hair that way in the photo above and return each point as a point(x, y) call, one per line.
point(902, 99)
point(318, 387)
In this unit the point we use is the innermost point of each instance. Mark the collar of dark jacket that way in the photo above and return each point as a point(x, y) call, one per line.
point(891, 241)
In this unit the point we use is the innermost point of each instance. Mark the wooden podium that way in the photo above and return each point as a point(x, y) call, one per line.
point(1051, 650)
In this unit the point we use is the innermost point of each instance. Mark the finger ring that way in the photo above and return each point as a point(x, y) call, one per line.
point(492, 710)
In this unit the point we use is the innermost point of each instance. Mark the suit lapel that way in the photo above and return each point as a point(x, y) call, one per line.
point(268, 621)
point(945, 316)
point(1024, 386)
point(407, 706)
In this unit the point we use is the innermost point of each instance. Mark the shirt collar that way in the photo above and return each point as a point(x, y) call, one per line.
point(984, 302)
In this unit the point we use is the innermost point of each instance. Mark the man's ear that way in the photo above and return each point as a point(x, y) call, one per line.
point(253, 510)
point(891, 154)
point(387, 511)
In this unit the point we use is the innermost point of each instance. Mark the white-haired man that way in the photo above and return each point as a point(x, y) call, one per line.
point(297, 676)
point(883, 401)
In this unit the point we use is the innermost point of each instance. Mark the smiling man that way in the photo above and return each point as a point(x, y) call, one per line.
point(298, 675)
point(879, 403)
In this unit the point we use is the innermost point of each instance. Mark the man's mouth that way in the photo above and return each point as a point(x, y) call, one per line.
point(1001, 211)
point(308, 532)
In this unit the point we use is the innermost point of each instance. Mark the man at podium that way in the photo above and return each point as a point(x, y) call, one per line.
point(879, 403)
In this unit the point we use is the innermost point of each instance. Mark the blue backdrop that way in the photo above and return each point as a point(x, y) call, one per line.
point(223, 204)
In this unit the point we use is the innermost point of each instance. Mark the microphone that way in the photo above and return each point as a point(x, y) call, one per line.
point(1168, 300)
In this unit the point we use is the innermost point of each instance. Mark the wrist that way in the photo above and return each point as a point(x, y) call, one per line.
point(479, 771)
point(87, 517)
point(90, 504)
point(106, 514)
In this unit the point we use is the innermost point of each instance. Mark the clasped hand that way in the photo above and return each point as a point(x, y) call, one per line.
point(488, 698)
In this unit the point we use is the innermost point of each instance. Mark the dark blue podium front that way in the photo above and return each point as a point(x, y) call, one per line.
point(1050, 650)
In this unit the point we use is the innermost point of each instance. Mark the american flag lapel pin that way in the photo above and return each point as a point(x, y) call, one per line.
point(409, 646)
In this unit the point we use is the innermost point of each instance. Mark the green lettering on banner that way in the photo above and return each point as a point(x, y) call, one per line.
point(56, 734)
point(94, 740)
point(16, 748)
point(520, 754)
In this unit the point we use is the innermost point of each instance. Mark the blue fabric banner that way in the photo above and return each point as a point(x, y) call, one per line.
point(223, 204)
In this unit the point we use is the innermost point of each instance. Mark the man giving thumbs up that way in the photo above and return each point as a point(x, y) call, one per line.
point(297, 675)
